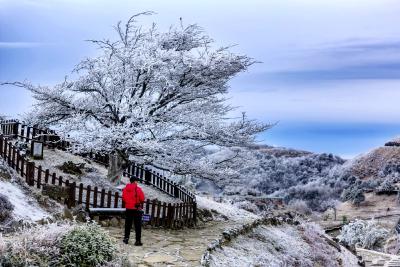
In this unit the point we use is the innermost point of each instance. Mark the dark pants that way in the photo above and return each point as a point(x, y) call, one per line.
point(134, 216)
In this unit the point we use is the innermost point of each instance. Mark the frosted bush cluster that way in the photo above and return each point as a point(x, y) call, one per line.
point(354, 193)
point(387, 185)
point(391, 168)
point(365, 234)
point(86, 245)
point(300, 206)
point(59, 244)
point(35, 246)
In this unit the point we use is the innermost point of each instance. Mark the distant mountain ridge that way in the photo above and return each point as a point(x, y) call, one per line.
point(314, 180)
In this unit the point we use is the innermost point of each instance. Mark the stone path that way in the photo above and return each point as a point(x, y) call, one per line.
point(169, 247)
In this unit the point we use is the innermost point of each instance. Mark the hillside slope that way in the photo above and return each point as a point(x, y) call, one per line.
point(20, 204)
point(284, 245)
point(378, 163)
point(317, 179)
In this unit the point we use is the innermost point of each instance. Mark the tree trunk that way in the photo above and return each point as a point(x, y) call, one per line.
point(116, 167)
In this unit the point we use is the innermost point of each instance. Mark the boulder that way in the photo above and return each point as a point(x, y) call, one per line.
point(5, 208)
point(72, 168)
point(5, 173)
point(80, 213)
point(105, 223)
point(67, 214)
point(114, 222)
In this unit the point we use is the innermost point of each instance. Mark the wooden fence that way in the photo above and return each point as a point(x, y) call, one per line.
point(18, 130)
point(162, 214)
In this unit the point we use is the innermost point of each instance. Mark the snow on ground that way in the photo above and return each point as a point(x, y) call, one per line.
point(227, 209)
point(55, 157)
point(284, 245)
point(97, 176)
point(25, 208)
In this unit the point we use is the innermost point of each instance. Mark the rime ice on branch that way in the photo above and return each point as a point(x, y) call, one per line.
point(154, 97)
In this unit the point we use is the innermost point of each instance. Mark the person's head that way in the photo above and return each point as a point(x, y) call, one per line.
point(133, 179)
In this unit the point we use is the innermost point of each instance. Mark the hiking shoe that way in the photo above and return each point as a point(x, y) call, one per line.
point(138, 244)
point(125, 240)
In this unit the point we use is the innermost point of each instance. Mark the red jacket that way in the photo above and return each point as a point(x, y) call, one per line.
point(133, 196)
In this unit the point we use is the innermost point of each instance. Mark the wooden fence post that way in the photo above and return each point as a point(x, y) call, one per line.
point(5, 149)
point(53, 178)
point(147, 176)
point(14, 154)
point(194, 213)
point(22, 166)
point(164, 214)
point(9, 154)
point(71, 195)
point(80, 192)
point(158, 221)
point(39, 181)
point(1, 144)
point(176, 190)
point(109, 199)
point(116, 196)
point(95, 191)
point(15, 129)
point(153, 212)
point(171, 218)
point(30, 173)
point(46, 176)
point(28, 130)
point(87, 197)
point(102, 197)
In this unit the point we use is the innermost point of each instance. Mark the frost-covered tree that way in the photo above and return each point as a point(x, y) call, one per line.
point(354, 193)
point(387, 185)
point(158, 98)
point(365, 234)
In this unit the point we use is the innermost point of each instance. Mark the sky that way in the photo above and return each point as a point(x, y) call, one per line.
point(328, 77)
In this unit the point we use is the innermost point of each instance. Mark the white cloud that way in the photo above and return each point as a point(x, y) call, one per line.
point(20, 44)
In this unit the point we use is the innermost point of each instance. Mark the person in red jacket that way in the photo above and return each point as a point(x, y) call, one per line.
point(133, 197)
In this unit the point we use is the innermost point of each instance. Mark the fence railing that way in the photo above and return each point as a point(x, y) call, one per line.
point(16, 129)
point(162, 214)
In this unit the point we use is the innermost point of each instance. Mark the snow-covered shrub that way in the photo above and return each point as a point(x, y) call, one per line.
point(86, 245)
point(365, 234)
point(300, 206)
point(247, 205)
point(37, 246)
point(354, 193)
point(370, 185)
point(59, 244)
point(317, 196)
point(391, 168)
point(386, 186)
